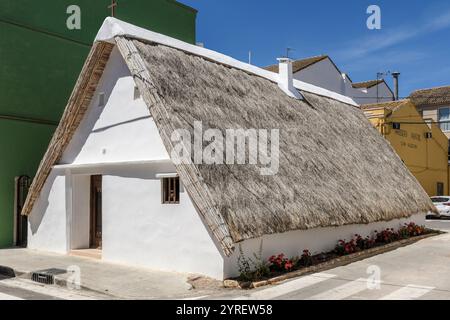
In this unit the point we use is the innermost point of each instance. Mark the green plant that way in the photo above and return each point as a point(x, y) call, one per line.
point(245, 271)
point(280, 263)
point(261, 268)
point(306, 259)
point(252, 269)
point(403, 233)
point(343, 248)
point(386, 236)
point(364, 243)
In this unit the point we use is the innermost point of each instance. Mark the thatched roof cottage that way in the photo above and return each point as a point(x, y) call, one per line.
point(116, 177)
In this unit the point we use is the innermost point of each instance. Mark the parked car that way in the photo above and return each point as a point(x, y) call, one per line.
point(442, 204)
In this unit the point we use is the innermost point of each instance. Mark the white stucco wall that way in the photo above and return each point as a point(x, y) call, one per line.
point(47, 221)
point(121, 142)
point(122, 129)
point(322, 74)
point(384, 94)
point(315, 240)
point(139, 230)
point(325, 75)
point(366, 96)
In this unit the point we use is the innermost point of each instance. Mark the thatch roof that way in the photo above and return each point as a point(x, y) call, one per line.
point(438, 96)
point(335, 169)
point(300, 64)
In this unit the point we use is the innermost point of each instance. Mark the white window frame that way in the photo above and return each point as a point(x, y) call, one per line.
point(439, 118)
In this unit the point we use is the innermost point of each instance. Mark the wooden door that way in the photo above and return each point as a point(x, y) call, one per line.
point(96, 212)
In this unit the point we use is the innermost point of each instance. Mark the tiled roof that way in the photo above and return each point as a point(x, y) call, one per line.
point(299, 65)
point(367, 84)
point(391, 105)
point(431, 97)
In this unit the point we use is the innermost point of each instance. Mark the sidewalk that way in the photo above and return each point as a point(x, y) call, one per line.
point(116, 281)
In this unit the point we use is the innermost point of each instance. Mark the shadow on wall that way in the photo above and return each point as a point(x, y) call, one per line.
point(42, 204)
point(113, 73)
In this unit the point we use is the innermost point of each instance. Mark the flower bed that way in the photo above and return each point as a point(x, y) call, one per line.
point(256, 269)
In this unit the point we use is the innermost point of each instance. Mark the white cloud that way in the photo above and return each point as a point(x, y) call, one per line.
point(388, 38)
point(390, 58)
point(439, 23)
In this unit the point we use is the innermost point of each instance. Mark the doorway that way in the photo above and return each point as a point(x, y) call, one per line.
point(22, 184)
point(95, 241)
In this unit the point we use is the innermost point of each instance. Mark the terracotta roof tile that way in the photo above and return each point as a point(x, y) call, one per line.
point(391, 105)
point(367, 84)
point(299, 65)
point(431, 97)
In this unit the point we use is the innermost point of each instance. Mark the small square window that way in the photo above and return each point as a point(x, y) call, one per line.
point(170, 190)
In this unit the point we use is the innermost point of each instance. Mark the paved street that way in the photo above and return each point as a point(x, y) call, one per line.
point(113, 280)
point(22, 289)
point(14, 293)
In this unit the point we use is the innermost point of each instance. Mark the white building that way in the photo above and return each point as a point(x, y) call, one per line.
point(112, 181)
point(321, 71)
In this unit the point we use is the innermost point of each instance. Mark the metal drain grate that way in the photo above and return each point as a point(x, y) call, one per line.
point(46, 276)
point(43, 278)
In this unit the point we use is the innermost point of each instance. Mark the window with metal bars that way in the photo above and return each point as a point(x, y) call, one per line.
point(170, 190)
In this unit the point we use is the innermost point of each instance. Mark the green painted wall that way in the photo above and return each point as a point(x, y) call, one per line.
point(40, 59)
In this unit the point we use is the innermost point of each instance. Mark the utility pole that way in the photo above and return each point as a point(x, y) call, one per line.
point(380, 75)
point(288, 50)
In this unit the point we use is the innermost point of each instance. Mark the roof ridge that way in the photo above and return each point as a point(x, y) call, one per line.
point(307, 58)
point(312, 60)
point(313, 57)
point(113, 28)
point(379, 80)
point(431, 88)
point(368, 84)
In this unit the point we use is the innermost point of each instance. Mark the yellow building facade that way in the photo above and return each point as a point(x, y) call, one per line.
point(421, 145)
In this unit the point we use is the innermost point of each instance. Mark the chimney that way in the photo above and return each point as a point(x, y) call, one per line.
point(344, 82)
point(286, 78)
point(396, 75)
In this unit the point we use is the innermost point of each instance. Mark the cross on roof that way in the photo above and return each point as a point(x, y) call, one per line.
point(113, 8)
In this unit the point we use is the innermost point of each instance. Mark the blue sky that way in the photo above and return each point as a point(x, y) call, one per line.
point(414, 38)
